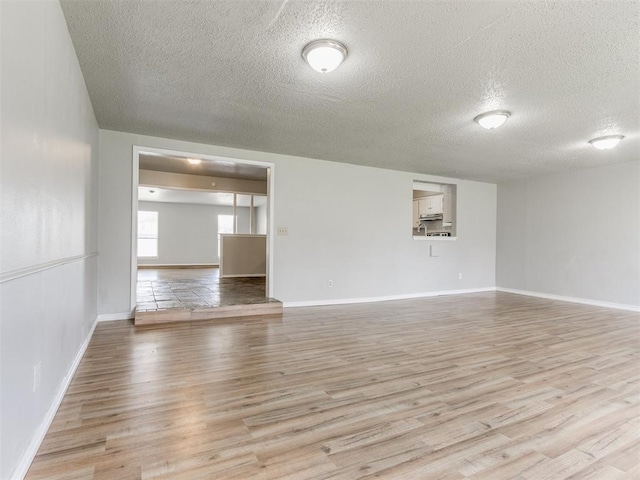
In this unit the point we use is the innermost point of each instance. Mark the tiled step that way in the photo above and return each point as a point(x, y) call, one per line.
point(229, 311)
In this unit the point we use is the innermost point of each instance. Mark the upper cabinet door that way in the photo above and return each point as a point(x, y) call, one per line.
point(437, 204)
point(431, 205)
point(423, 206)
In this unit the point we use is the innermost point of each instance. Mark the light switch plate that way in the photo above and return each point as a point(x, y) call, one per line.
point(283, 230)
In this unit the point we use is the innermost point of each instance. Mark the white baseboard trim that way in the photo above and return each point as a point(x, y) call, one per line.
point(28, 456)
point(385, 298)
point(562, 298)
point(108, 317)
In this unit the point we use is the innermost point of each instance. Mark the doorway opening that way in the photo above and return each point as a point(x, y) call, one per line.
point(202, 237)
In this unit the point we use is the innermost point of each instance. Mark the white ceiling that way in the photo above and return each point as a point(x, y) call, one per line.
point(174, 195)
point(230, 73)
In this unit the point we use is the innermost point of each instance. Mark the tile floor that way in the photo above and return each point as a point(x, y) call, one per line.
point(191, 288)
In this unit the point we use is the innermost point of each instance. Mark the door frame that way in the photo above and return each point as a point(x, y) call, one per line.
point(138, 149)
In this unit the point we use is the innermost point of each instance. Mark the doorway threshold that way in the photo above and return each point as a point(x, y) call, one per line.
point(170, 315)
point(177, 295)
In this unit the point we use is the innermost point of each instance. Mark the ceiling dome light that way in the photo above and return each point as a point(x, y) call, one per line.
point(607, 142)
point(194, 161)
point(493, 119)
point(324, 56)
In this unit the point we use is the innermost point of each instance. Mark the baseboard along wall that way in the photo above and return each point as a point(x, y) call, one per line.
point(31, 451)
point(562, 298)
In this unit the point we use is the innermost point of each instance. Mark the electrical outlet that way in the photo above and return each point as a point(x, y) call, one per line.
point(283, 231)
point(37, 376)
point(330, 283)
point(460, 276)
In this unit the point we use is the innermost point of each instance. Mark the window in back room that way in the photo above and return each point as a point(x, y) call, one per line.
point(147, 234)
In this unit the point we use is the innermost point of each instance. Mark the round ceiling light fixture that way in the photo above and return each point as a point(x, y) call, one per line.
point(194, 161)
point(607, 142)
point(493, 119)
point(324, 56)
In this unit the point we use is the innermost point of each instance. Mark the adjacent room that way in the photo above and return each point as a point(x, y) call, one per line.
point(321, 239)
point(201, 243)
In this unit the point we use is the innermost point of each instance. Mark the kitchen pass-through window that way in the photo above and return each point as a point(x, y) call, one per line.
point(434, 210)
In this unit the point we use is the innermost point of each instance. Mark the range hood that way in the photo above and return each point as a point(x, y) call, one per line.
point(426, 218)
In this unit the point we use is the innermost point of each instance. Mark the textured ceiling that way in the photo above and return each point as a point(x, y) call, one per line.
point(230, 73)
point(210, 168)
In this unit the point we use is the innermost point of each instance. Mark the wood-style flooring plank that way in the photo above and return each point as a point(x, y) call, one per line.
point(486, 386)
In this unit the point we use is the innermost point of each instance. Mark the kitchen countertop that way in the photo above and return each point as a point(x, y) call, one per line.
point(422, 236)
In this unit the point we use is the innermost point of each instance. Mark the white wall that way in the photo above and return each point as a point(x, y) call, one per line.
point(347, 223)
point(188, 233)
point(48, 220)
point(575, 234)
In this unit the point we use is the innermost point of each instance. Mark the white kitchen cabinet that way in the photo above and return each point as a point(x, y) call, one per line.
point(437, 204)
point(422, 206)
point(431, 205)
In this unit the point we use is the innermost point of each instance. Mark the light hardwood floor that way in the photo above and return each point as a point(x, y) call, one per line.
point(479, 386)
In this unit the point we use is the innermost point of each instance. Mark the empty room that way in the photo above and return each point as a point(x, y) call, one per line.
point(320, 239)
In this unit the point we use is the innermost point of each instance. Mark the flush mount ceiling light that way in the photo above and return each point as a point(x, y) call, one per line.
point(324, 56)
point(193, 161)
point(607, 142)
point(493, 119)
